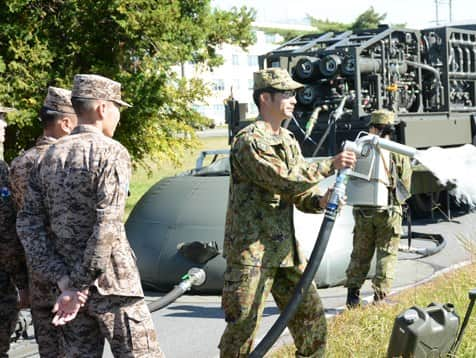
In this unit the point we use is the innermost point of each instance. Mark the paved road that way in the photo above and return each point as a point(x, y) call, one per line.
point(192, 326)
point(215, 132)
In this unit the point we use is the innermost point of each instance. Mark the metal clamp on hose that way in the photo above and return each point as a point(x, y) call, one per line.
point(194, 277)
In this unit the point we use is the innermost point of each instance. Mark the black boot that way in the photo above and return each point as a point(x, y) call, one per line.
point(353, 297)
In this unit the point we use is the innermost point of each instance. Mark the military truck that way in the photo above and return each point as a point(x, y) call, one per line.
point(426, 76)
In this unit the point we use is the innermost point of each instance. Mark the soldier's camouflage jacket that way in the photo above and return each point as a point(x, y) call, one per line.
point(403, 173)
point(42, 293)
point(79, 190)
point(268, 176)
point(12, 257)
point(21, 166)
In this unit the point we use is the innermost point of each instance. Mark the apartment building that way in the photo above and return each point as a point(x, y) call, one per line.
point(235, 76)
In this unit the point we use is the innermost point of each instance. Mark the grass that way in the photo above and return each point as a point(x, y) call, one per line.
point(142, 181)
point(365, 332)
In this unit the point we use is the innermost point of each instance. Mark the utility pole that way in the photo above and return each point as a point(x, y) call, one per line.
point(437, 13)
point(450, 3)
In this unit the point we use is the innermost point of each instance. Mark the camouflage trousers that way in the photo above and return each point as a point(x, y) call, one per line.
point(379, 231)
point(244, 294)
point(42, 297)
point(8, 313)
point(124, 321)
point(47, 336)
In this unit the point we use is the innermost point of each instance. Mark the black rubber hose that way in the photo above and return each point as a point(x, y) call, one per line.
point(167, 299)
point(194, 277)
point(409, 225)
point(426, 251)
point(300, 290)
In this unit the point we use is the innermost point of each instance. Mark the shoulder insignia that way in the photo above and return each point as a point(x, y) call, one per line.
point(5, 192)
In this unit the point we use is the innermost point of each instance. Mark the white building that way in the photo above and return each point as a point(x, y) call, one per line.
point(236, 74)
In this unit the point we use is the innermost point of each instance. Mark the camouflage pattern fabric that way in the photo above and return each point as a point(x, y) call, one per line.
point(79, 188)
point(6, 109)
point(268, 176)
point(47, 336)
point(43, 293)
point(382, 116)
point(124, 321)
point(8, 313)
point(97, 87)
point(12, 257)
point(244, 294)
point(277, 78)
point(21, 166)
point(59, 100)
point(12, 263)
point(378, 230)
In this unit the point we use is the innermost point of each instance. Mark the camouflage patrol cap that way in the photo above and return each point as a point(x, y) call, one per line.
point(3, 111)
point(276, 78)
point(6, 109)
point(382, 116)
point(97, 87)
point(59, 100)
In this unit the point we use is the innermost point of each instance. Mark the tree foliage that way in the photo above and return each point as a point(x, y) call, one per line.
point(369, 19)
point(326, 25)
point(136, 42)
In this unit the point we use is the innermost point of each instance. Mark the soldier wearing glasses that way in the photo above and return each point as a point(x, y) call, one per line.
point(268, 176)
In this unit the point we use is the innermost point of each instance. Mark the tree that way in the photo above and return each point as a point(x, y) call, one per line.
point(369, 19)
point(136, 42)
point(326, 25)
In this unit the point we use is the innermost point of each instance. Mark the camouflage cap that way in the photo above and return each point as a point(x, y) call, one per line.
point(6, 109)
point(382, 116)
point(59, 100)
point(3, 111)
point(276, 78)
point(97, 87)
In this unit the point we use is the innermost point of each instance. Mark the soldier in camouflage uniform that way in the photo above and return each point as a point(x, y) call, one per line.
point(379, 228)
point(79, 190)
point(58, 119)
point(268, 176)
point(13, 273)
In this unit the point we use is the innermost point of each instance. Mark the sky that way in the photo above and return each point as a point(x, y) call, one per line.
point(417, 14)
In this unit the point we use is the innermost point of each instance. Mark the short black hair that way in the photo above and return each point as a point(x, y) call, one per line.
point(257, 93)
point(48, 116)
point(82, 106)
